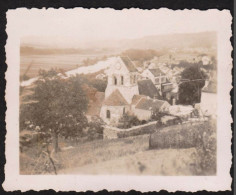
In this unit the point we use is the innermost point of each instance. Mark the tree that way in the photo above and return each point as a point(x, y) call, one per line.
point(57, 107)
point(192, 81)
point(100, 85)
point(95, 130)
point(127, 121)
point(141, 55)
point(157, 115)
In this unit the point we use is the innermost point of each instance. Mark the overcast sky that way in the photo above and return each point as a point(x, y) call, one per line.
point(72, 26)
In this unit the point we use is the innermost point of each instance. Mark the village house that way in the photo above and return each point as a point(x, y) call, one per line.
point(159, 77)
point(145, 107)
point(166, 91)
point(124, 90)
point(156, 75)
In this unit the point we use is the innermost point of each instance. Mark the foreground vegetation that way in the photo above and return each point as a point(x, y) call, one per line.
point(130, 155)
point(127, 156)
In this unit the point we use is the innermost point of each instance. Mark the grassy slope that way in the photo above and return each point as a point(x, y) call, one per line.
point(121, 156)
point(129, 155)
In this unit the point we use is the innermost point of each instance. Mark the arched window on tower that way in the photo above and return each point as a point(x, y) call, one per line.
point(122, 80)
point(108, 114)
point(115, 80)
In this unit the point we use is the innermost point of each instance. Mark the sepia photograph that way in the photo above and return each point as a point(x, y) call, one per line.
point(129, 93)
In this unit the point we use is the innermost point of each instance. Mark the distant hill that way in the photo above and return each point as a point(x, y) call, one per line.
point(205, 39)
point(30, 50)
point(188, 40)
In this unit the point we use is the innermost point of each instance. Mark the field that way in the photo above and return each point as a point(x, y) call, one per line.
point(120, 156)
point(31, 64)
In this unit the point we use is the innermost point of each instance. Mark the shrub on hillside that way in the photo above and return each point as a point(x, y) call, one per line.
point(205, 156)
point(98, 84)
point(179, 136)
point(201, 136)
point(128, 121)
point(95, 129)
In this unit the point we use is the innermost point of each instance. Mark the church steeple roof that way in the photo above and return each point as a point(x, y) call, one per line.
point(115, 99)
point(129, 64)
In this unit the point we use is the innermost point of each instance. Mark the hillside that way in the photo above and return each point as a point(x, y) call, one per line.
point(168, 41)
point(131, 155)
point(121, 156)
point(193, 40)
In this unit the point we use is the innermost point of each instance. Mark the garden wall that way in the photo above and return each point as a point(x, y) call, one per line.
point(113, 132)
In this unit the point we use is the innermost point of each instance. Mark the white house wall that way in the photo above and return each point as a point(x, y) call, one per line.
point(115, 113)
point(142, 114)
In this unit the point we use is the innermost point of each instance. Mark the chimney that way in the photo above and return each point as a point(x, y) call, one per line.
point(173, 101)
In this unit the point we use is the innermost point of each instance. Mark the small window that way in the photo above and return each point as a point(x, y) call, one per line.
point(115, 80)
point(124, 110)
point(108, 114)
point(122, 80)
point(134, 78)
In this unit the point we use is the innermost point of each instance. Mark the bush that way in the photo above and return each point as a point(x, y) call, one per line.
point(128, 121)
point(201, 136)
point(205, 156)
point(95, 130)
point(98, 84)
point(179, 136)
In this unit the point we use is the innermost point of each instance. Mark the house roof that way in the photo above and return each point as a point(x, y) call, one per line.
point(129, 64)
point(156, 72)
point(149, 104)
point(115, 99)
point(147, 88)
point(137, 98)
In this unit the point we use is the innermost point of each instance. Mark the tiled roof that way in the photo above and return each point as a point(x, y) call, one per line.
point(156, 72)
point(147, 88)
point(137, 98)
point(129, 64)
point(149, 104)
point(115, 99)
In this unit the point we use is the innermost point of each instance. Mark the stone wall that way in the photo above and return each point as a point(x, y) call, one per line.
point(113, 132)
point(149, 128)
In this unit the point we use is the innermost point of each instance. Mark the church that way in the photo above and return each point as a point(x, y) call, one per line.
point(128, 93)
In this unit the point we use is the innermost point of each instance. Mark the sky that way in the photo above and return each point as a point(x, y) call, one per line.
point(70, 27)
